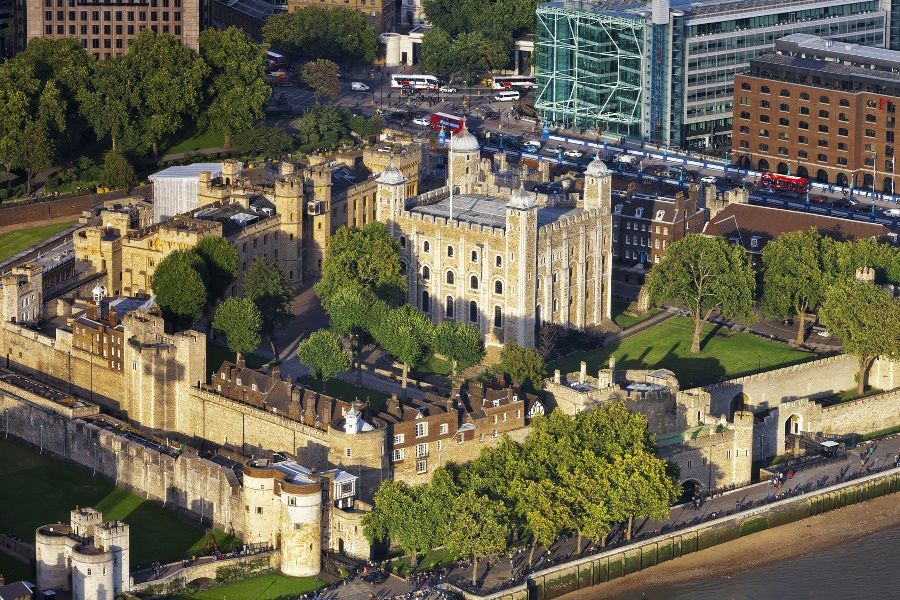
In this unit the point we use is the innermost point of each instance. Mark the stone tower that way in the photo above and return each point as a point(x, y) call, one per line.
point(289, 205)
point(391, 195)
point(521, 240)
point(598, 187)
point(464, 161)
point(22, 294)
point(318, 193)
point(301, 528)
point(113, 537)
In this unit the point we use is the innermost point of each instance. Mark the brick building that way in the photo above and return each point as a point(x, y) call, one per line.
point(105, 28)
point(381, 15)
point(820, 109)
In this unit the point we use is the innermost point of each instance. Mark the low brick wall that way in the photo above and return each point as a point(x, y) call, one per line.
point(14, 213)
point(205, 570)
point(612, 564)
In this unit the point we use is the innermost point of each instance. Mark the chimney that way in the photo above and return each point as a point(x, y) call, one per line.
point(450, 403)
point(112, 317)
point(241, 363)
point(275, 372)
point(557, 377)
point(394, 407)
point(582, 376)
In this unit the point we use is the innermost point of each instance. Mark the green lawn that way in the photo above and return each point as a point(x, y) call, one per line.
point(435, 558)
point(36, 490)
point(348, 392)
point(435, 366)
point(13, 570)
point(623, 320)
point(216, 355)
point(13, 242)
point(667, 345)
point(197, 141)
point(264, 587)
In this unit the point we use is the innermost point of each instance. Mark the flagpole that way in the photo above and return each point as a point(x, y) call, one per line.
point(450, 170)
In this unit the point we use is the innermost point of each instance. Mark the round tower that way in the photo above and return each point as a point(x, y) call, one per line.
point(391, 194)
point(464, 161)
point(261, 518)
point(92, 574)
point(112, 538)
point(597, 186)
point(52, 547)
point(301, 528)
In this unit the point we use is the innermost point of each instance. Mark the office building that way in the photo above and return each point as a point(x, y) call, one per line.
point(106, 29)
point(820, 109)
point(663, 71)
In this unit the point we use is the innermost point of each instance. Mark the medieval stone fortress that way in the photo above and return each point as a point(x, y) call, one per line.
point(92, 373)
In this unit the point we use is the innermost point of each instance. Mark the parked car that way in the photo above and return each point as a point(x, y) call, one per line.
point(359, 86)
point(422, 121)
point(556, 149)
point(892, 212)
point(818, 199)
point(845, 202)
point(573, 153)
point(709, 180)
point(531, 146)
point(447, 89)
point(490, 114)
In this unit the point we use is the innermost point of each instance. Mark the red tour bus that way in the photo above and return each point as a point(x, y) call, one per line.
point(449, 123)
point(783, 183)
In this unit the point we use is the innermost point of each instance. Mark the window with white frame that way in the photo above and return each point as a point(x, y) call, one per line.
point(421, 450)
point(421, 466)
point(398, 438)
point(421, 429)
point(445, 429)
point(398, 454)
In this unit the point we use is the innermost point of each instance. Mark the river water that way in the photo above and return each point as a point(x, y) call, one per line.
point(865, 569)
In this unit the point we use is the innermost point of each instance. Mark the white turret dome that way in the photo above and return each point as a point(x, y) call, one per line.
point(521, 199)
point(464, 141)
point(392, 175)
point(597, 168)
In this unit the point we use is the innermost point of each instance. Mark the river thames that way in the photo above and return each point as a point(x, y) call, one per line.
point(868, 568)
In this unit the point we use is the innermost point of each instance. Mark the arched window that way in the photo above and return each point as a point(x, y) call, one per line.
point(403, 267)
point(426, 247)
point(473, 311)
point(745, 86)
point(498, 287)
point(823, 114)
point(498, 261)
point(450, 278)
point(784, 93)
point(804, 96)
point(473, 282)
point(426, 304)
point(448, 307)
point(426, 273)
point(450, 251)
point(402, 242)
point(764, 90)
point(498, 317)
point(474, 255)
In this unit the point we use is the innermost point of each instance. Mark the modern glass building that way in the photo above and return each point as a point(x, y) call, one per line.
point(663, 71)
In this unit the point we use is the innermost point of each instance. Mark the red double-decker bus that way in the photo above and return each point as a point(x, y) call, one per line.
point(449, 123)
point(784, 183)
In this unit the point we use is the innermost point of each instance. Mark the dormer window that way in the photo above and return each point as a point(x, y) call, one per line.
point(639, 212)
point(754, 241)
point(618, 208)
point(253, 387)
point(238, 381)
point(660, 214)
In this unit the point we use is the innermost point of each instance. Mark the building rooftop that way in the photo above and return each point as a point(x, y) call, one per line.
point(852, 78)
point(743, 222)
point(635, 9)
point(813, 46)
point(191, 171)
point(235, 217)
point(469, 208)
point(256, 9)
point(15, 590)
point(39, 389)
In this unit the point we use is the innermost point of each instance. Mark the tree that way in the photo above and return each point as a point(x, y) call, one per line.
point(864, 253)
point(704, 275)
point(239, 320)
point(522, 365)
point(866, 320)
point(797, 270)
point(222, 264)
point(478, 528)
point(612, 430)
point(33, 152)
point(405, 334)
point(178, 283)
point(586, 488)
point(236, 81)
point(148, 93)
point(353, 311)
point(117, 171)
point(461, 343)
point(264, 141)
point(437, 54)
point(324, 354)
point(321, 76)
point(368, 257)
point(466, 57)
point(641, 487)
point(271, 290)
point(541, 506)
point(342, 36)
point(397, 516)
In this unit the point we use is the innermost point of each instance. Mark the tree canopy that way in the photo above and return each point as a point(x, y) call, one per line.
point(271, 290)
point(866, 320)
point(321, 75)
point(461, 343)
point(341, 36)
point(117, 171)
point(522, 365)
point(704, 275)
point(367, 257)
point(264, 141)
point(239, 320)
point(235, 83)
point(797, 270)
point(222, 264)
point(179, 283)
point(467, 57)
point(407, 335)
point(324, 354)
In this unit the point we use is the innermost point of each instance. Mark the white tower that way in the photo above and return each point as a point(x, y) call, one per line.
point(597, 187)
point(391, 195)
point(464, 161)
